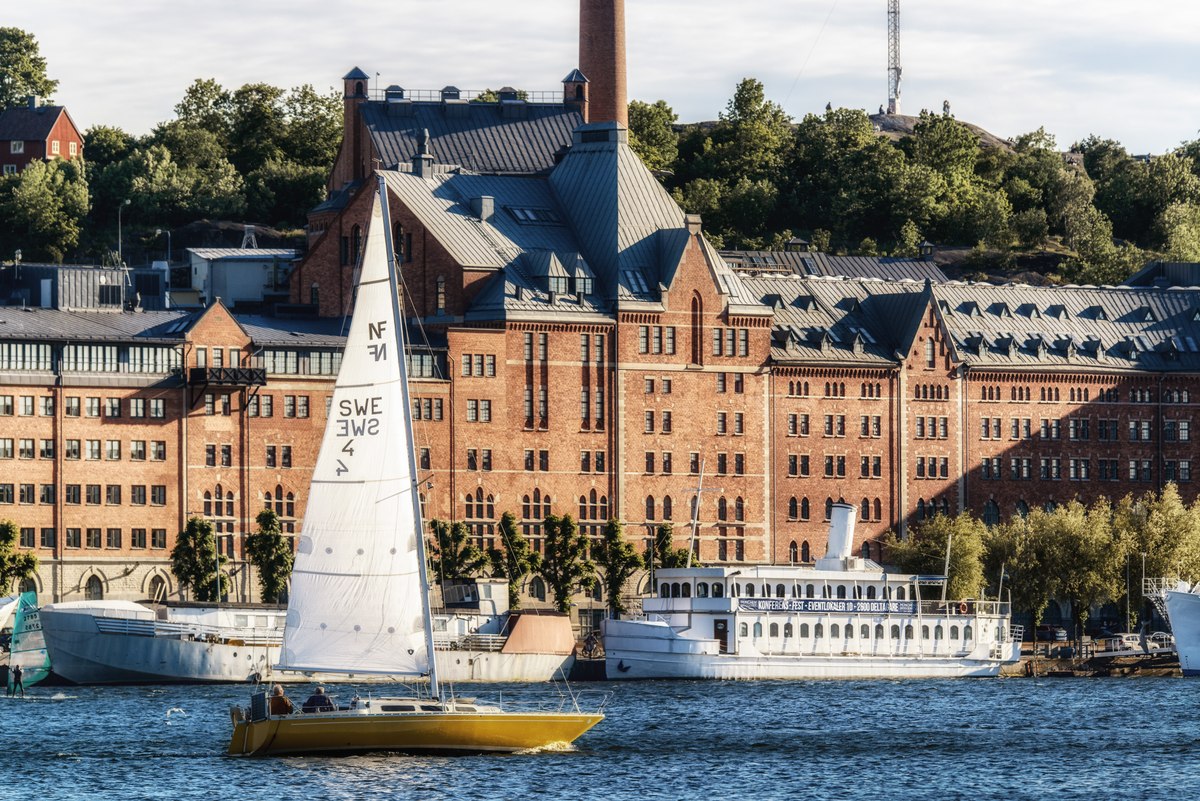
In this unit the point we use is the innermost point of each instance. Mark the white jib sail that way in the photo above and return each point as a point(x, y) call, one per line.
point(355, 604)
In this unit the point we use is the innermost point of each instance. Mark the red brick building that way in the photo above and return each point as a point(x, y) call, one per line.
point(32, 133)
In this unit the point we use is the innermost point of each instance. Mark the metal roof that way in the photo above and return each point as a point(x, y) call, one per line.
point(481, 137)
point(242, 254)
point(22, 122)
point(817, 263)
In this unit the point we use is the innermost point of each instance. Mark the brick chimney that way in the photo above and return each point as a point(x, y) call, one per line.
point(602, 59)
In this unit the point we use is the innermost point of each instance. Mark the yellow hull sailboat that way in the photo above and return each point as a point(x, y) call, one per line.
point(359, 600)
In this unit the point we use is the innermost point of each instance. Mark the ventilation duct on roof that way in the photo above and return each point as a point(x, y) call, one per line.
point(483, 207)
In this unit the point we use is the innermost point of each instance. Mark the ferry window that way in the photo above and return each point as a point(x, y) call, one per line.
point(749, 590)
point(895, 632)
point(766, 590)
point(886, 593)
point(834, 630)
point(937, 633)
point(849, 631)
point(687, 590)
point(810, 591)
point(787, 629)
point(701, 590)
point(795, 590)
point(871, 593)
point(954, 632)
point(819, 630)
point(774, 629)
point(857, 591)
point(900, 593)
point(864, 631)
point(841, 591)
point(908, 632)
point(804, 630)
point(718, 590)
point(924, 632)
point(779, 591)
point(826, 592)
point(967, 633)
point(879, 631)
point(743, 630)
point(737, 589)
point(665, 591)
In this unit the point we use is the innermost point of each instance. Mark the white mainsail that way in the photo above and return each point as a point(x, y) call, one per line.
point(356, 603)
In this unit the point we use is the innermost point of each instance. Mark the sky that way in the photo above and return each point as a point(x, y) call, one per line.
point(1120, 70)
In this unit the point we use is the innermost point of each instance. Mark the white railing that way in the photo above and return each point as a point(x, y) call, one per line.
point(136, 627)
point(471, 642)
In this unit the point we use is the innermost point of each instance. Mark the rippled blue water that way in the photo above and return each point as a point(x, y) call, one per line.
point(976, 739)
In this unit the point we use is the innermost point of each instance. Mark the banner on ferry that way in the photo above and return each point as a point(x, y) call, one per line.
point(828, 605)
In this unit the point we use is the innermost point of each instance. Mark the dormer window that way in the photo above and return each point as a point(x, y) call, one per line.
point(583, 286)
point(559, 284)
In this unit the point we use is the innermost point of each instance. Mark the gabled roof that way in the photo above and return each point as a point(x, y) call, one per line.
point(479, 137)
point(816, 263)
point(24, 123)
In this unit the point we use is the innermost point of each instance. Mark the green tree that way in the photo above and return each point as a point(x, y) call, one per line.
point(1179, 231)
point(452, 555)
point(208, 106)
point(1029, 563)
point(1092, 558)
point(280, 193)
point(908, 242)
point(271, 555)
point(618, 560)
point(257, 126)
point(663, 553)
point(22, 68)
point(195, 561)
point(1162, 533)
point(516, 560)
point(564, 565)
point(943, 144)
point(312, 127)
point(14, 565)
point(924, 552)
point(42, 209)
point(652, 135)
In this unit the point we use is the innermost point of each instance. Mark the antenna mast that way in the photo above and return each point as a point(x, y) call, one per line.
point(893, 105)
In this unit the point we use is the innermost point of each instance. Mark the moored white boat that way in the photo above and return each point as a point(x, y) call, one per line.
point(843, 618)
point(1182, 604)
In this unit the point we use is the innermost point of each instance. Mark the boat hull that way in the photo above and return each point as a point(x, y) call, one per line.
point(642, 650)
point(432, 732)
point(1183, 612)
point(83, 654)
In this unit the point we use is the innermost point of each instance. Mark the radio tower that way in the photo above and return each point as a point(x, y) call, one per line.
point(893, 106)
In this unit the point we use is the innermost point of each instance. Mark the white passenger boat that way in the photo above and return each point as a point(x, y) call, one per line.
point(124, 642)
point(1182, 602)
point(844, 618)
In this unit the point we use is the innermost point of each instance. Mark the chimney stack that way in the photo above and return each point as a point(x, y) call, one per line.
point(602, 59)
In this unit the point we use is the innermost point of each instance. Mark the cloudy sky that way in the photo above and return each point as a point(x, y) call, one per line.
point(1117, 69)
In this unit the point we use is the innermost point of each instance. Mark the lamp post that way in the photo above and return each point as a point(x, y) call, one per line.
point(159, 232)
point(120, 253)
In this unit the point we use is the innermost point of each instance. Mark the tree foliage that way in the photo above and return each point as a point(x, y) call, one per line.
point(515, 560)
point(195, 561)
point(564, 565)
point(271, 555)
point(651, 133)
point(663, 553)
point(618, 560)
point(42, 210)
point(14, 565)
point(452, 555)
point(22, 68)
point(924, 552)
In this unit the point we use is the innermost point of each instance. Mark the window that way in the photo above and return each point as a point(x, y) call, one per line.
point(71, 407)
point(158, 408)
point(158, 538)
point(210, 455)
point(71, 494)
point(158, 495)
point(137, 494)
point(112, 495)
point(137, 450)
point(226, 455)
point(112, 407)
point(112, 450)
point(137, 539)
point(286, 456)
point(158, 450)
point(25, 448)
point(74, 538)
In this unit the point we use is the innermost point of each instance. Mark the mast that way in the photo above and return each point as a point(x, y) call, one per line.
point(393, 283)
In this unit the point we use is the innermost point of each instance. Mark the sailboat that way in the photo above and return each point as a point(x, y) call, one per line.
point(359, 600)
point(27, 648)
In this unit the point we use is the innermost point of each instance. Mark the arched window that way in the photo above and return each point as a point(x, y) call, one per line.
point(583, 507)
point(722, 508)
point(866, 548)
point(525, 513)
point(871, 592)
point(895, 632)
point(687, 589)
point(879, 631)
point(828, 508)
point(718, 590)
point(920, 508)
point(835, 631)
point(924, 632)
point(787, 630)
point(804, 630)
point(279, 499)
point(537, 588)
point(878, 509)
point(1022, 508)
point(774, 630)
point(780, 592)
point(355, 244)
point(804, 511)
point(649, 507)
point(743, 630)
point(702, 589)
point(954, 633)
point(739, 509)
point(991, 513)
point(810, 591)
point(805, 555)
point(440, 299)
point(793, 508)
point(757, 629)
point(841, 591)
point(207, 503)
point(908, 632)
point(793, 552)
point(676, 590)
point(93, 590)
point(314, 294)
point(749, 590)
point(157, 589)
point(967, 634)
point(866, 510)
point(937, 633)
point(697, 330)
point(864, 631)
point(666, 512)
point(664, 590)
point(819, 630)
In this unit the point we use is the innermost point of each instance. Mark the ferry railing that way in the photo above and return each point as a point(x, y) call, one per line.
point(141, 627)
point(470, 642)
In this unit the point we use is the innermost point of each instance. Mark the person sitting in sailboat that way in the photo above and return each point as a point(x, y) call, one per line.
point(279, 703)
point(318, 702)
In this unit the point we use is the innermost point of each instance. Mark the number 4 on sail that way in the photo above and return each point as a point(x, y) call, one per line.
point(360, 596)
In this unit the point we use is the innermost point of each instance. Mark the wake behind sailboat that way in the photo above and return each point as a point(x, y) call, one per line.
point(359, 602)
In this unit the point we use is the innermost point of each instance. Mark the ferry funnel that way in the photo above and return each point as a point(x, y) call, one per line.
point(841, 534)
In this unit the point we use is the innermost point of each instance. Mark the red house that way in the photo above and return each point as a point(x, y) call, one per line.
point(32, 132)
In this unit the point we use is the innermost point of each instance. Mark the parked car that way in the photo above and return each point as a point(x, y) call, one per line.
point(1051, 634)
point(1162, 639)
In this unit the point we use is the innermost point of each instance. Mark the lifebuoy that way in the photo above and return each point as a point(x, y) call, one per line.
point(962, 608)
